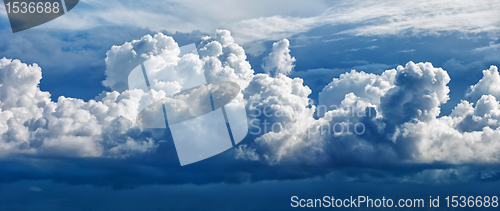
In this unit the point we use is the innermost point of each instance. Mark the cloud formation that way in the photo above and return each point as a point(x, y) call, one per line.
point(371, 18)
point(251, 21)
point(279, 61)
point(33, 124)
point(361, 118)
point(388, 118)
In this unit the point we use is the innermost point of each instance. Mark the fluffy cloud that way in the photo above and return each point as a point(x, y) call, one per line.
point(419, 91)
point(122, 59)
point(386, 118)
point(366, 86)
point(105, 127)
point(393, 110)
point(281, 112)
point(32, 124)
point(224, 60)
point(391, 118)
point(279, 60)
point(489, 84)
point(468, 135)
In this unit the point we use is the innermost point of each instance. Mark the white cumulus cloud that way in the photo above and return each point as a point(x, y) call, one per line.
point(369, 118)
point(33, 124)
point(279, 61)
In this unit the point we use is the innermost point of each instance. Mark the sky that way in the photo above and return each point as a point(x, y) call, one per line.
point(395, 99)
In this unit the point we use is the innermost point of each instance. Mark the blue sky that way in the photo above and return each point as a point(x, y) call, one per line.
point(425, 82)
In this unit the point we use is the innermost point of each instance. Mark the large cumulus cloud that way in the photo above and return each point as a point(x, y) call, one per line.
point(281, 112)
point(388, 118)
point(468, 135)
point(361, 118)
point(33, 124)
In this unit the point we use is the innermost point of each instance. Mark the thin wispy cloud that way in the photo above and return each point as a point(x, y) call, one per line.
point(257, 23)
